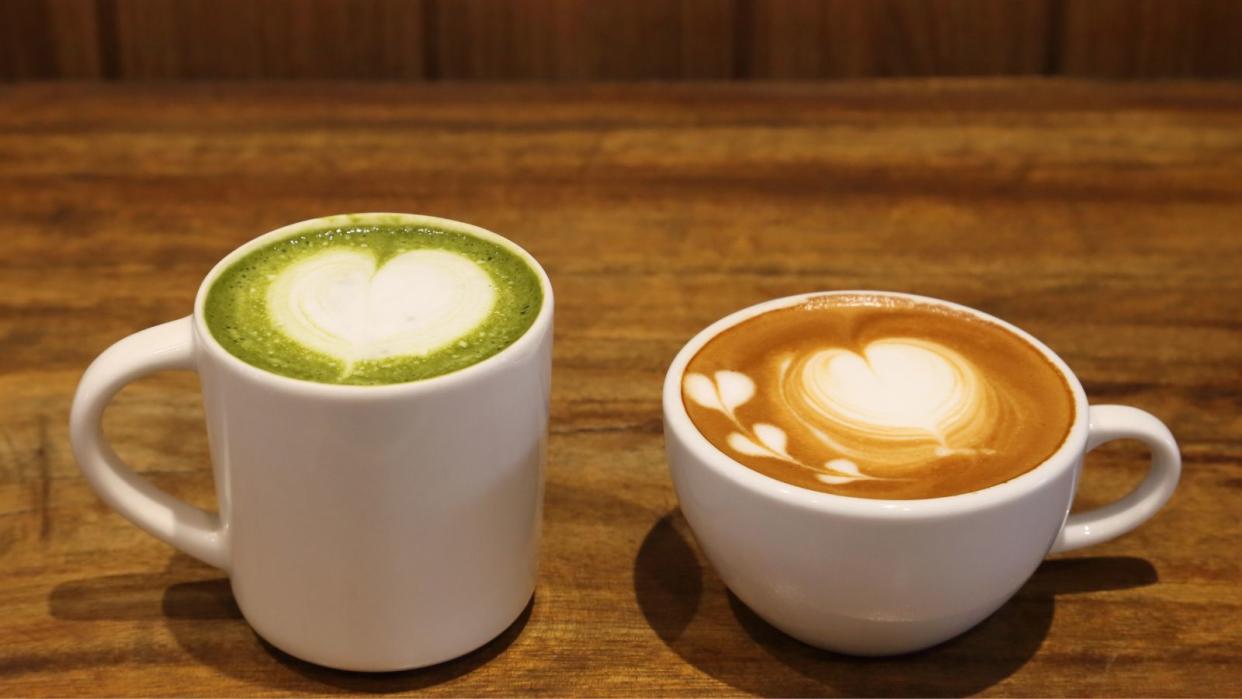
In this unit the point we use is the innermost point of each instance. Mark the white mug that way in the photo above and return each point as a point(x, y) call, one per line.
point(362, 527)
point(883, 577)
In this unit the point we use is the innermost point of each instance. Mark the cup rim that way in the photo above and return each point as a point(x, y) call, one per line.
point(678, 422)
point(496, 362)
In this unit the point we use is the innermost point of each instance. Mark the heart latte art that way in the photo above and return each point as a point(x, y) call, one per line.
point(840, 394)
point(337, 302)
point(370, 304)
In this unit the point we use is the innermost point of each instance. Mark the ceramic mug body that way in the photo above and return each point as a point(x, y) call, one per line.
point(362, 527)
point(881, 577)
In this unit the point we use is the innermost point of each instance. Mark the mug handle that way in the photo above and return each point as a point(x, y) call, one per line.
point(1107, 423)
point(169, 346)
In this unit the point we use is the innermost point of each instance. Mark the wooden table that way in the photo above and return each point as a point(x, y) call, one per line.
point(1105, 218)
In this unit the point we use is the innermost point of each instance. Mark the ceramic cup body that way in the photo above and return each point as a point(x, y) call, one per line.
point(881, 577)
point(362, 527)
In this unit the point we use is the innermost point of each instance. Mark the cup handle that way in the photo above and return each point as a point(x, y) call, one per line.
point(168, 346)
point(1106, 423)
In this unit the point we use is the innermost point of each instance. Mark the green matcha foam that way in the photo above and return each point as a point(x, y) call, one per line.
point(372, 303)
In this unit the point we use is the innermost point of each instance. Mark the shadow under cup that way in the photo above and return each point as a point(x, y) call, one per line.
point(867, 576)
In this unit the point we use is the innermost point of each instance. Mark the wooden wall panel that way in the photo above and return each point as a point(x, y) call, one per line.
point(1152, 38)
point(615, 39)
point(576, 40)
point(808, 39)
point(48, 39)
point(192, 39)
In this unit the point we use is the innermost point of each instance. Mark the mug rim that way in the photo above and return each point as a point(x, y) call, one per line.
point(533, 334)
point(676, 419)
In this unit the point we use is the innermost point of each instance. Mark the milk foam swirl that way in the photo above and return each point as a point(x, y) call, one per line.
point(878, 396)
point(901, 402)
point(338, 303)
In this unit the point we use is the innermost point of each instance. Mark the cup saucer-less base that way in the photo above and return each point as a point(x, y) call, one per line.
point(894, 637)
point(411, 657)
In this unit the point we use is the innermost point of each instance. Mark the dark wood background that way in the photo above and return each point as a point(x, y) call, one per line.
point(615, 39)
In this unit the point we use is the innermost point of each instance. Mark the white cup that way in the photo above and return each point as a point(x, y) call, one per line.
point(362, 527)
point(882, 577)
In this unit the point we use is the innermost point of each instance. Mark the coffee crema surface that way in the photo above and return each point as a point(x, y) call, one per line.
point(373, 303)
point(877, 396)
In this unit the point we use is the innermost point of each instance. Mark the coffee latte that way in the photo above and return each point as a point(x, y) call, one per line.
point(878, 396)
point(373, 303)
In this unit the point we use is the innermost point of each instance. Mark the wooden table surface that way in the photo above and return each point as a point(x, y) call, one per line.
point(1104, 218)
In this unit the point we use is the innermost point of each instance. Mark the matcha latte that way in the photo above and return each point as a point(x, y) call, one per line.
point(373, 303)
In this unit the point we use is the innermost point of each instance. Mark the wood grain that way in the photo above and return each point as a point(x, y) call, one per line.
point(326, 39)
point(48, 39)
point(615, 40)
point(571, 40)
point(804, 39)
point(1152, 38)
point(1101, 217)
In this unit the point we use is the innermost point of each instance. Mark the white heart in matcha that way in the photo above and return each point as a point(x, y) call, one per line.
point(338, 302)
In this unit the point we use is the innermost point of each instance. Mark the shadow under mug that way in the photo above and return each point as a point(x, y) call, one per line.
point(883, 577)
point(362, 527)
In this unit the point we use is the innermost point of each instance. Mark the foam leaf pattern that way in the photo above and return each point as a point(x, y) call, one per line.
point(725, 392)
point(735, 388)
point(702, 390)
point(743, 445)
point(772, 437)
point(843, 466)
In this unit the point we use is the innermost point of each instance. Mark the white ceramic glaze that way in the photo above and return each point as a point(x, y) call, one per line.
point(883, 577)
point(362, 527)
